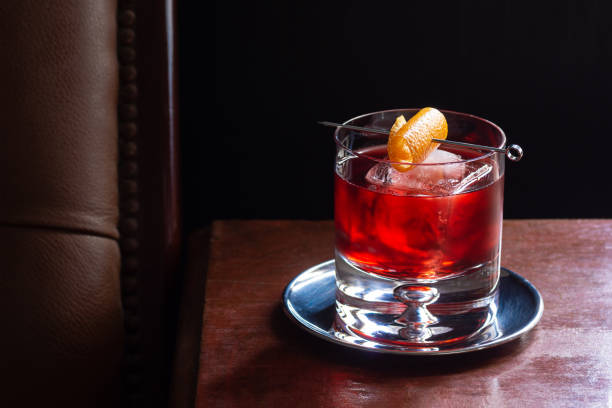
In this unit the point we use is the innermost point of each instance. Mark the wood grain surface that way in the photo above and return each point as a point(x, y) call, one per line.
point(253, 355)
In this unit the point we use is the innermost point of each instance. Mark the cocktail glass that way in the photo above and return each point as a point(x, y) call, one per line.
point(417, 252)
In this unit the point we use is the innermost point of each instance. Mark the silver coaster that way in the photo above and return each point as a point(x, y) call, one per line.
point(309, 300)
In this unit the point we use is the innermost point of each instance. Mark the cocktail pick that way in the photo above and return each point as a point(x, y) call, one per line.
point(513, 152)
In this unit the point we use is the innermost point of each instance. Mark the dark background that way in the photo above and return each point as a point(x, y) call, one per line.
point(543, 72)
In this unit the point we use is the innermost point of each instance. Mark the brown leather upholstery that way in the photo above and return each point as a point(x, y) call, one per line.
point(88, 149)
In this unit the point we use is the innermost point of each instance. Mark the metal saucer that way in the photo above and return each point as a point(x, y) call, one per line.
point(309, 300)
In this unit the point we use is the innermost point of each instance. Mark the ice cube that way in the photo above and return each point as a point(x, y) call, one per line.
point(442, 156)
point(473, 177)
point(421, 180)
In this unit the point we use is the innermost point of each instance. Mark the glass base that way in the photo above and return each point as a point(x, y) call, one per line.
point(415, 312)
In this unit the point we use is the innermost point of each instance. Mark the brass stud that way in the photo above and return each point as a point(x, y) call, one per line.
point(129, 244)
point(131, 263)
point(128, 129)
point(126, 36)
point(129, 187)
point(128, 92)
point(128, 111)
point(130, 206)
point(129, 169)
point(128, 73)
point(126, 55)
point(129, 149)
point(127, 18)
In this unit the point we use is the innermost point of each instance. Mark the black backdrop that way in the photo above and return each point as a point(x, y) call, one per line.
point(543, 72)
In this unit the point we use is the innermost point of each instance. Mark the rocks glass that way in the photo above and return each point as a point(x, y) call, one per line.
point(417, 252)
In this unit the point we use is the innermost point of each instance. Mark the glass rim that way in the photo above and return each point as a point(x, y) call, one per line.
point(485, 155)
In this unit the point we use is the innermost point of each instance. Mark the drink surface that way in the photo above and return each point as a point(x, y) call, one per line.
point(414, 230)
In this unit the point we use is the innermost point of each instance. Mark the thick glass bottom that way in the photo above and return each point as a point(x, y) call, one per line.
point(415, 312)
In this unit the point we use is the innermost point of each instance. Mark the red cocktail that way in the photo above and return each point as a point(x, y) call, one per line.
point(417, 250)
point(407, 233)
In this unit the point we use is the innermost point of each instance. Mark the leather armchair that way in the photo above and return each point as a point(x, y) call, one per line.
point(89, 210)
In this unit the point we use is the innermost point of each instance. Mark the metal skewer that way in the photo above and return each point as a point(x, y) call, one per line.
point(513, 152)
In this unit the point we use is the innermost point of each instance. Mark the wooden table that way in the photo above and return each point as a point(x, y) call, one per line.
point(253, 355)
